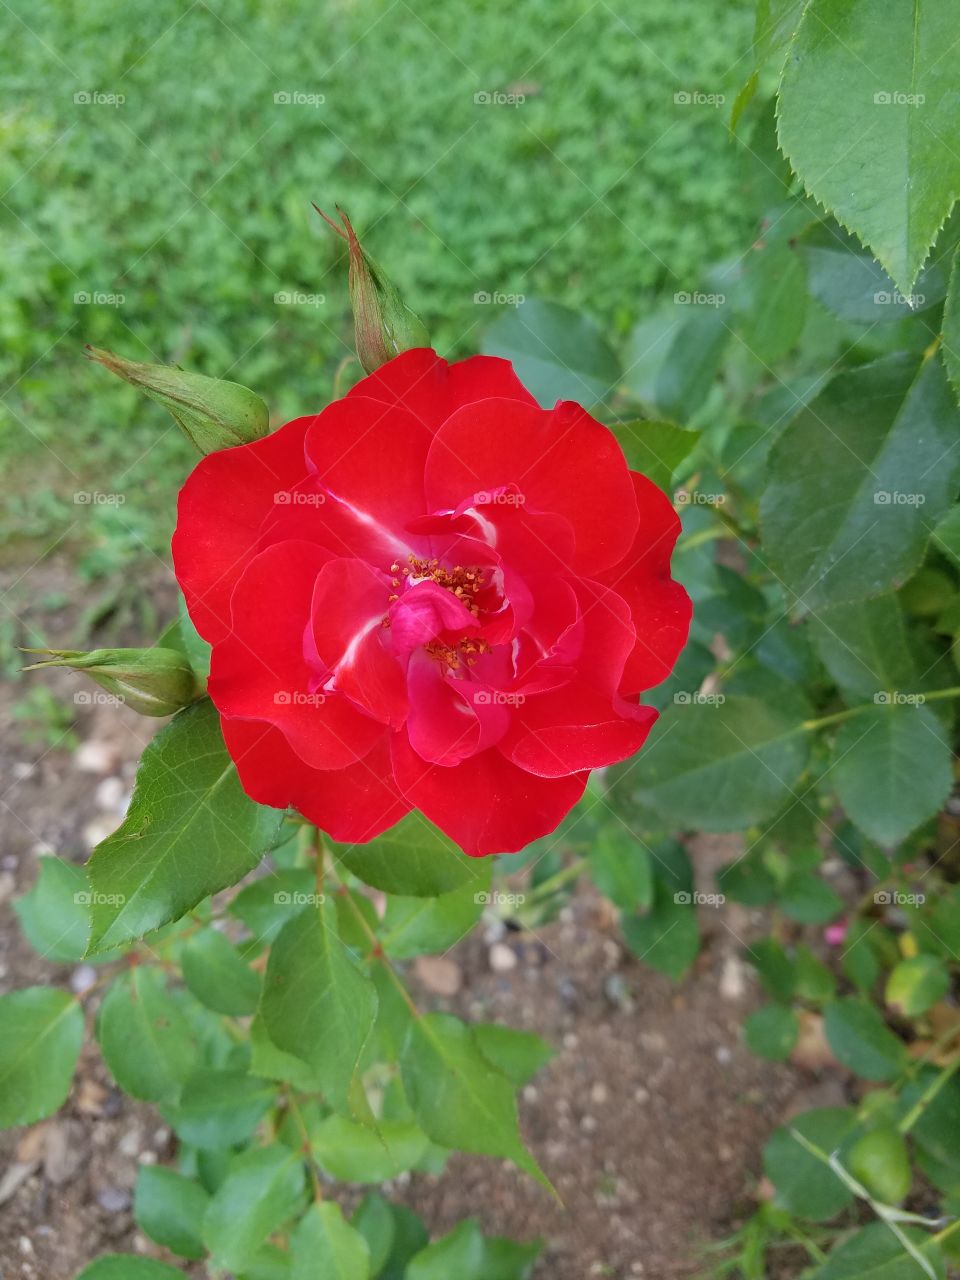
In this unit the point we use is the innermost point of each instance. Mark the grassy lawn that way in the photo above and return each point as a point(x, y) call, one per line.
point(184, 209)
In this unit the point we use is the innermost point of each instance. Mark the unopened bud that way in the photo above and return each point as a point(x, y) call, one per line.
point(212, 414)
point(383, 323)
point(155, 682)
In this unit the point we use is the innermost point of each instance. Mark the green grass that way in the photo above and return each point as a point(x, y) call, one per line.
point(192, 201)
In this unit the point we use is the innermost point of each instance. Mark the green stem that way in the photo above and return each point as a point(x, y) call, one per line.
point(557, 880)
point(376, 949)
point(928, 1095)
point(848, 712)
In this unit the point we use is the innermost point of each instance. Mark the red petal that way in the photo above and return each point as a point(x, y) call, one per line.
point(562, 461)
point(369, 459)
point(557, 733)
point(350, 602)
point(260, 671)
point(661, 607)
point(486, 804)
point(430, 389)
point(221, 507)
point(450, 719)
point(584, 724)
point(351, 805)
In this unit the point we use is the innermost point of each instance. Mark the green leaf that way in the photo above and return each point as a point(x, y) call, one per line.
point(267, 904)
point(864, 646)
point(557, 354)
point(914, 985)
point(190, 831)
point(145, 1037)
point(666, 937)
point(317, 1005)
point(409, 1237)
point(774, 302)
point(270, 1262)
point(774, 968)
point(857, 479)
point(748, 881)
point(197, 649)
point(355, 1153)
point(655, 448)
point(866, 90)
point(413, 859)
point(858, 959)
point(814, 981)
point(946, 536)
point(721, 767)
point(271, 1063)
point(892, 770)
point(852, 284)
point(509, 1259)
point(460, 1254)
point(325, 1245)
point(55, 914)
point(518, 1054)
point(809, 899)
point(804, 1184)
point(169, 1208)
point(692, 362)
point(772, 1031)
point(875, 1253)
point(862, 1041)
point(124, 1266)
point(375, 1222)
point(458, 1098)
point(621, 867)
point(220, 1108)
point(215, 972)
point(41, 1031)
point(415, 926)
point(262, 1190)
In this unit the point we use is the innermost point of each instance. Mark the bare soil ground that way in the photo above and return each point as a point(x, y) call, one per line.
point(649, 1121)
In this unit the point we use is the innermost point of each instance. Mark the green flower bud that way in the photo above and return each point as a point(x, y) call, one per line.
point(155, 682)
point(212, 414)
point(383, 323)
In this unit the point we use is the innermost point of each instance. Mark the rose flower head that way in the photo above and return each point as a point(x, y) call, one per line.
point(432, 595)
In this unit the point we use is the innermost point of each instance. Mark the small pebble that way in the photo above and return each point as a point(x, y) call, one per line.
point(599, 1093)
point(502, 958)
point(83, 978)
point(93, 756)
point(113, 1199)
point(724, 1055)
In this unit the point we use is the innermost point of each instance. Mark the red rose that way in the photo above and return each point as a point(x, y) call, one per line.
point(433, 594)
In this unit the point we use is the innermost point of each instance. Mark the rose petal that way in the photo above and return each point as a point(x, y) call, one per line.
point(350, 603)
point(221, 507)
point(351, 805)
point(430, 389)
point(486, 804)
point(661, 608)
point(561, 461)
point(260, 671)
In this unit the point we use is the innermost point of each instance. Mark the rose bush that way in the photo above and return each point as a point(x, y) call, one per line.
point(434, 594)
